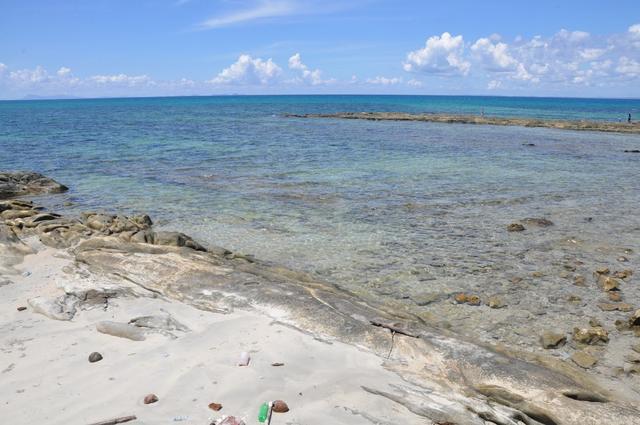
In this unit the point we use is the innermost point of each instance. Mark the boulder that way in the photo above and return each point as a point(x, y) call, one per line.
point(27, 183)
point(61, 308)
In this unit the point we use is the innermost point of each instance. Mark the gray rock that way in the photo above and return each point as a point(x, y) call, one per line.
point(61, 308)
point(160, 322)
point(95, 357)
point(121, 330)
point(27, 183)
point(552, 339)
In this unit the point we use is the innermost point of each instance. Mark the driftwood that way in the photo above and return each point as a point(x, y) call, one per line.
point(115, 421)
point(393, 327)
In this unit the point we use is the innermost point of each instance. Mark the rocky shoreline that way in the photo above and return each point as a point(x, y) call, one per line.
point(448, 378)
point(609, 127)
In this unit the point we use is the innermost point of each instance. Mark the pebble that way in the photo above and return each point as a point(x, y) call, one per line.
point(95, 357)
point(280, 406)
point(244, 359)
point(215, 406)
point(150, 398)
point(277, 364)
point(515, 227)
point(21, 308)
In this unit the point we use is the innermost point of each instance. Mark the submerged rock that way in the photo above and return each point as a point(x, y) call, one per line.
point(584, 360)
point(515, 227)
point(590, 336)
point(539, 222)
point(552, 340)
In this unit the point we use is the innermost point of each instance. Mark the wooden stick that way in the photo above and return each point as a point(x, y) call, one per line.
point(115, 421)
point(393, 328)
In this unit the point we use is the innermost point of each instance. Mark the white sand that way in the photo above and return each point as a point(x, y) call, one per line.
point(46, 378)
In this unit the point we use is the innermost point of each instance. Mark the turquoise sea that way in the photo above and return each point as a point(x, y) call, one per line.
point(391, 209)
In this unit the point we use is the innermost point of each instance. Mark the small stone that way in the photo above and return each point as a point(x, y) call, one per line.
point(623, 259)
point(277, 364)
point(496, 302)
point(590, 336)
point(608, 283)
point(280, 406)
point(95, 357)
point(244, 359)
point(623, 274)
point(552, 340)
point(564, 274)
point(150, 398)
point(634, 320)
point(583, 359)
point(21, 308)
point(540, 222)
point(579, 281)
point(614, 296)
point(516, 279)
point(601, 271)
point(215, 406)
point(537, 274)
point(515, 227)
point(595, 323)
point(460, 298)
point(574, 299)
point(473, 300)
point(615, 307)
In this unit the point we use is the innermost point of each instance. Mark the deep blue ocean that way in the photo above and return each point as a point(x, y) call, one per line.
point(386, 208)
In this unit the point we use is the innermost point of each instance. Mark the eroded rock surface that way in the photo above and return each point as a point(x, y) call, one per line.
point(27, 183)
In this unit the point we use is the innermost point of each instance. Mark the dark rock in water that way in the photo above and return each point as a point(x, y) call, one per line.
point(176, 239)
point(150, 398)
point(21, 308)
point(552, 340)
point(608, 283)
point(280, 406)
point(528, 144)
point(540, 222)
point(27, 183)
point(634, 320)
point(515, 227)
point(632, 151)
point(95, 357)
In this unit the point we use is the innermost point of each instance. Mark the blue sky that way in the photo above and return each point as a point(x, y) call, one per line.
point(181, 47)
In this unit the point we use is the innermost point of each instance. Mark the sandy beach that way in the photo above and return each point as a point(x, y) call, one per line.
point(46, 375)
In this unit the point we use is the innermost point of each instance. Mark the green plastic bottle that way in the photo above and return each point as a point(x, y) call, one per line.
point(264, 412)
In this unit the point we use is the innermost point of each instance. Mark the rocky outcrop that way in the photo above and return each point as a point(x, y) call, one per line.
point(27, 183)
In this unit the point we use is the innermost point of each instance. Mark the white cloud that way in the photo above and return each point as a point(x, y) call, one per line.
point(3, 68)
point(495, 55)
point(634, 30)
point(122, 80)
point(628, 67)
point(384, 81)
point(263, 9)
point(415, 83)
point(442, 54)
point(29, 76)
point(247, 70)
point(63, 72)
point(313, 77)
point(494, 85)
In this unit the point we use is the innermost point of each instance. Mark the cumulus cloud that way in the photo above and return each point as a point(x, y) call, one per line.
point(415, 83)
point(442, 54)
point(250, 71)
point(495, 56)
point(628, 67)
point(309, 76)
point(123, 80)
point(384, 81)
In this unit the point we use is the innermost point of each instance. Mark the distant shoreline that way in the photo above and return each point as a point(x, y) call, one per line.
point(602, 126)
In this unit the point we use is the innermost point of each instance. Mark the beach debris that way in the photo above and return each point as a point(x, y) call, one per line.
point(279, 406)
point(229, 420)
point(244, 359)
point(264, 414)
point(590, 336)
point(395, 327)
point(21, 308)
point(122, 330)
point(551, 339)
point(515, 227)
point(277, 364)
point(115, 421)
point(215, 406)
point(584, 360)
point(95, 357)
point(150, 398)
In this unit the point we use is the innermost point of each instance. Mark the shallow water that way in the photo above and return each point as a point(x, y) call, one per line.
point(391, 209)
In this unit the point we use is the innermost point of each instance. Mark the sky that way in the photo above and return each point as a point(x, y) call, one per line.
point(109, 48)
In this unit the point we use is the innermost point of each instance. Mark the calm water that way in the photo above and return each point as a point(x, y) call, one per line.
point(382, 208)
